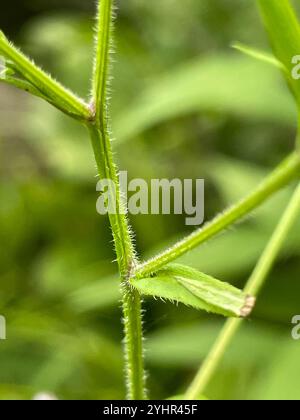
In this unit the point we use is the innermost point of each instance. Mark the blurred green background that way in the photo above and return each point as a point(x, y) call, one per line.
point(184, 104)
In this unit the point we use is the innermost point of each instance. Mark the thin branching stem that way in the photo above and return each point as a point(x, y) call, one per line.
point(43, 84)
point(281, 176)
point(20, 71)
point(101, 141)
point(253, 287)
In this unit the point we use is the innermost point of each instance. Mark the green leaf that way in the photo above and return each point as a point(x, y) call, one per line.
point(225, 84)
point(244, 89)
point(179, 283)
point(183, 346)
point(283, 369)
point(102, 294)
point(284, 31)
point(258, 54)
point(181, 397)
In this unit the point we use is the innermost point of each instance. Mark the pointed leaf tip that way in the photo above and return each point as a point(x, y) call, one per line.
point(258, 55)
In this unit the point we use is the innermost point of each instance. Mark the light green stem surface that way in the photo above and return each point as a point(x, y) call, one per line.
point(281, 176)
point(254, 285)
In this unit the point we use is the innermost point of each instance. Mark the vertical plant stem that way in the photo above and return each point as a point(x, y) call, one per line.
point(100, 136)
point(253, 287)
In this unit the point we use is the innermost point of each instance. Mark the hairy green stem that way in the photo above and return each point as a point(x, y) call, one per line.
point(20, 71)
point(99, 132)
point(254, 285)
point(281, 176)
point(126, 260)
point(45, 85)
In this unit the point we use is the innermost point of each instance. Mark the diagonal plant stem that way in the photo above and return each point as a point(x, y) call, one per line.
point(49, 89)
point(253, 287)
point(288, 170)
point(100, 136)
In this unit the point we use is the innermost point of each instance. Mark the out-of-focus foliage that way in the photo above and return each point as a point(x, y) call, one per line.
point(184, 105)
